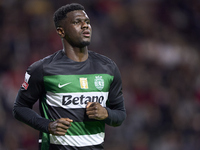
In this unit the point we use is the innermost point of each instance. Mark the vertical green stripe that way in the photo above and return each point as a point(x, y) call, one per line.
point(45, 136)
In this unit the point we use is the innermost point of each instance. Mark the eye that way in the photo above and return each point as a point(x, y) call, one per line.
point(87, 21)
point(76, 22)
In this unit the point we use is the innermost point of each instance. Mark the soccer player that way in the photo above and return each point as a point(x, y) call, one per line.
point(79, 91)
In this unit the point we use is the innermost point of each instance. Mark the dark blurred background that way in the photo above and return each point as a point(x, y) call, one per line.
point(156, 45)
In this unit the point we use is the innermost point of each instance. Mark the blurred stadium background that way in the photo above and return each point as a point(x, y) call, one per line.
point(155, 43)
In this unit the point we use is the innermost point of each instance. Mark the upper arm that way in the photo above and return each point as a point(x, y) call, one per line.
point(115, 97)
point(32, 87)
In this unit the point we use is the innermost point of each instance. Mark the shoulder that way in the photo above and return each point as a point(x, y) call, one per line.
point(101, 58)
point(103, 62)
point(38, 65)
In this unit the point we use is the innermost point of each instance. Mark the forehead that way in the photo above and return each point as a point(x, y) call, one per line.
point(77, 14)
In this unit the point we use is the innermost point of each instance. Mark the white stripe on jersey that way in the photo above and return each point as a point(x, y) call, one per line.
point(75, 100)
point(78, 141)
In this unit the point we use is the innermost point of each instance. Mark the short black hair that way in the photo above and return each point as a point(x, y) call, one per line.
point(61, 13)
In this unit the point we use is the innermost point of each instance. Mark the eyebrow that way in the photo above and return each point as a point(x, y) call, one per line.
point(81, 18)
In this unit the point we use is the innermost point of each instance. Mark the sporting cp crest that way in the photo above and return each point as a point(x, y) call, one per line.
point(99, 82)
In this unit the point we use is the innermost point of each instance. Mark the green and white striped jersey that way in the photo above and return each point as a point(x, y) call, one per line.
point(64, 87)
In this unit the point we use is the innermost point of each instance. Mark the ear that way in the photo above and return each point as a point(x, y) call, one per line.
point(60, 31)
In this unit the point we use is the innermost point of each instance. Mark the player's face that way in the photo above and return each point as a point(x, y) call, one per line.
point(77, 28)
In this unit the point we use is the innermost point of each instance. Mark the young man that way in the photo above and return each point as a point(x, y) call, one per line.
point(78, 90)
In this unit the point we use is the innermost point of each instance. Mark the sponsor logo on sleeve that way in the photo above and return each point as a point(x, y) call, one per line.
point(26, 79)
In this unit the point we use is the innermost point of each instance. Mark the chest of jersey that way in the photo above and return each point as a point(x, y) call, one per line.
point(74, 91)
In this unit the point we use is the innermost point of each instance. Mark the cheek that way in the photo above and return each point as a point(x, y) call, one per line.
point(70, 30)
point(74, 32)
point(71, 34)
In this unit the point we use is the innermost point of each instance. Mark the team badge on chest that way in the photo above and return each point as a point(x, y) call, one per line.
point(83, 83)
point(99, 82)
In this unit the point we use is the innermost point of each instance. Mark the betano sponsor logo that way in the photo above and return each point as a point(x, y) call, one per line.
point(69, 99)
point(76, 100)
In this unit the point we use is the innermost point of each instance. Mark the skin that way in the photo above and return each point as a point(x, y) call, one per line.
point(95, 111)
point(75, 32)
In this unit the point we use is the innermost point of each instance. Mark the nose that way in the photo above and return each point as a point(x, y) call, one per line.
point(84, 24)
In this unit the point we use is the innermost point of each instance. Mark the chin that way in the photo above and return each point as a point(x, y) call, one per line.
point(85, 43)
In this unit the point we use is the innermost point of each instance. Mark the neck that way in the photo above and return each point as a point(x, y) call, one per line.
point(75, 53)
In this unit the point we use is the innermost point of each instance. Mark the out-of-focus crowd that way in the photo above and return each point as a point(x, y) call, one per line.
point(155, 44)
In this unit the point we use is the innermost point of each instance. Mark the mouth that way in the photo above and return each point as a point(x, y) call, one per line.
point(86, 33)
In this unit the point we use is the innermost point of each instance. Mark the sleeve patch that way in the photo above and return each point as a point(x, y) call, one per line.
point(26, 79)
